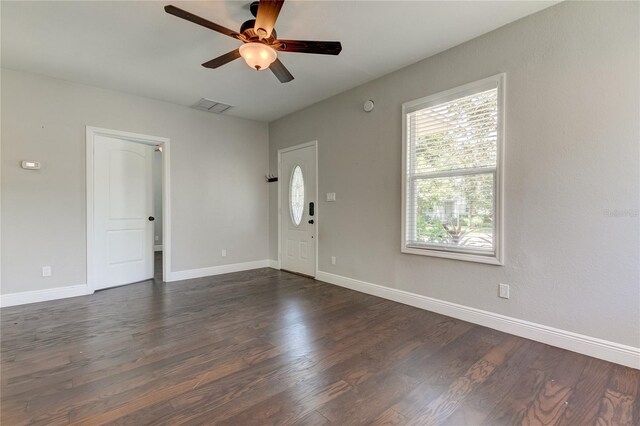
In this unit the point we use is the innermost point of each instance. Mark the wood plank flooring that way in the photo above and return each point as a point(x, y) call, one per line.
point(268, 347)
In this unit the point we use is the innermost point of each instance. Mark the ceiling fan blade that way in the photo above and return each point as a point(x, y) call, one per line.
point(221, 60)
point(306, 46)
point(268, 12)
point(176, 11)
point(280, 71)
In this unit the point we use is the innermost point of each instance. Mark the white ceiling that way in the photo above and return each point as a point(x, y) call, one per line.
point(136, 47)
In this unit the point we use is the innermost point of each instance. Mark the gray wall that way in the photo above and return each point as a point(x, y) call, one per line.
point(218, 192)
point(572, 152)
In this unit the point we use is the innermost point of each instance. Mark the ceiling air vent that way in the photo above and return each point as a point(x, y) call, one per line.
point(205, 104)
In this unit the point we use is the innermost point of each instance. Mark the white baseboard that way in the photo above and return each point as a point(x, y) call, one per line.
point(275, 264)
point(25, 297)
point(216, 270)
point(597, 348)
point(157, 247)
point(22, 298)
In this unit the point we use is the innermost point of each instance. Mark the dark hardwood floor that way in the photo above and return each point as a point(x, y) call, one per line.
point(268, 347)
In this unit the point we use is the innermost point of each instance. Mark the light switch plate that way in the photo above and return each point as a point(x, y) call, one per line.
point(46, 271)
point(504, 291)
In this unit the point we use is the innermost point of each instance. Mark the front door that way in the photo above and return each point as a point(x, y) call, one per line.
point(123, 209)
point(298, 204)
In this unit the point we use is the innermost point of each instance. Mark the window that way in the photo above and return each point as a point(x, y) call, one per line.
point(296, 195)
point(451, 204)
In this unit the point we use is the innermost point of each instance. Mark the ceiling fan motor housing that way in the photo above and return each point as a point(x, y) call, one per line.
point(247, 25)
point(248, 31)
point(253, 7)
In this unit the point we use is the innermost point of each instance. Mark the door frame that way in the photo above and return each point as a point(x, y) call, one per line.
point(91, 133)
point(313, 144)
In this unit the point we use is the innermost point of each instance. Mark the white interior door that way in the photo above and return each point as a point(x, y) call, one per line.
point(123, 210)
point(298, 202)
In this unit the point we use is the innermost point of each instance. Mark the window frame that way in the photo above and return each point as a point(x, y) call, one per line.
point(495, 81)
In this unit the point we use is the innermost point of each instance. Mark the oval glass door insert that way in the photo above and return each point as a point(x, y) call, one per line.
point(296, 195)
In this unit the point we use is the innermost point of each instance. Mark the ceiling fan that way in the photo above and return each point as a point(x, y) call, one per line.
point(260, 39)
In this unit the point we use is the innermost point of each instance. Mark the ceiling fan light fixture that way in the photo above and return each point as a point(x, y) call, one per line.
point(258, 55)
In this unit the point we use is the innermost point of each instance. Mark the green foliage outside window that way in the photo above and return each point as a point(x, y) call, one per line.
point(458, 209)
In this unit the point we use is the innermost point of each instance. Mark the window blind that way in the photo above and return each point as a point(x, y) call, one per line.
point(451, 172)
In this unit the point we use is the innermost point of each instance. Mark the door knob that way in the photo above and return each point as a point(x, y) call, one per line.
point(311, 221)
point(151, 218)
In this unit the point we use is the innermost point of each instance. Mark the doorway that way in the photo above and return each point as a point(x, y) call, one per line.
point(297, 189)
point(121, 213)
point(157, 211)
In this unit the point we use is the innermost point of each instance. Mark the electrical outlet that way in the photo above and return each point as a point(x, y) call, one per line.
point(224, 253)
point(46, 271)
point(157, 238)
point(333, 260)
point(504, 291)
point(331, 196)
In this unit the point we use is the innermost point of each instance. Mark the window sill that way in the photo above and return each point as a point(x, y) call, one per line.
point(490, 260)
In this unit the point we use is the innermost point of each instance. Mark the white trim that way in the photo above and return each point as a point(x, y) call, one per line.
point(591, 346)
point(274, 264)
point(453, 93)
point(157, 247)
point(217, 270)
point(469, 88)
point(445, 254)
point(166, 210)
point(91, 132)
point(24, 297)
point(313, 143)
